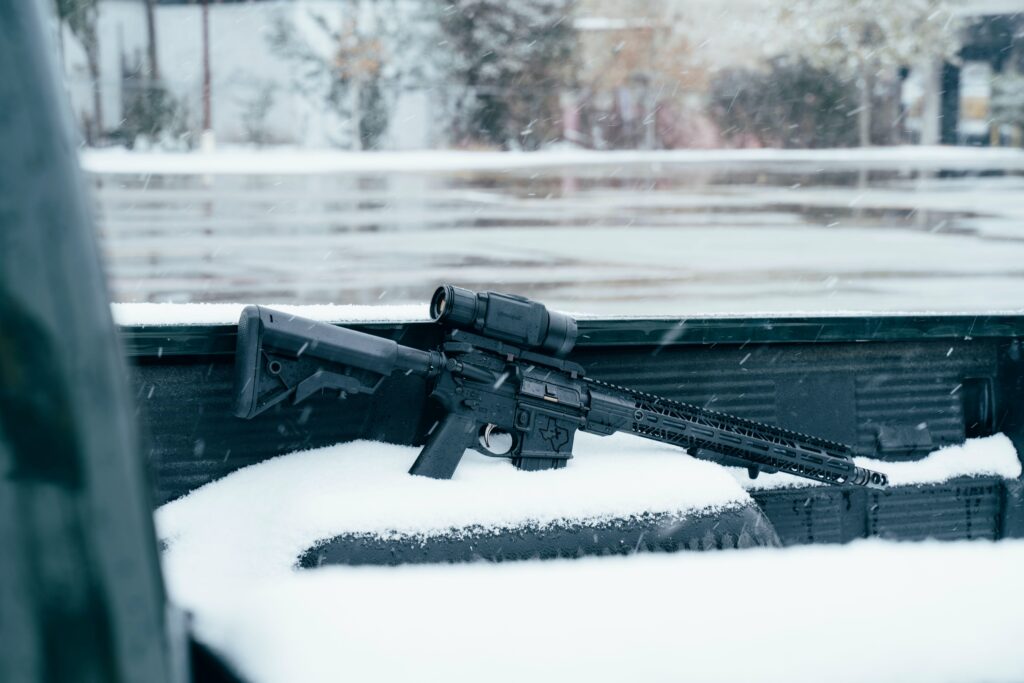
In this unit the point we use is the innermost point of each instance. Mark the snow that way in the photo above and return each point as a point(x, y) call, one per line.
point(610, 24)
point(601, 252)
point(223, 314)
point(990, 456)
point(660, 239)
point(285, 161)
point(869, 610)
point(852, 38)
point(258, 520)
point(977, 8)
point(142, 314)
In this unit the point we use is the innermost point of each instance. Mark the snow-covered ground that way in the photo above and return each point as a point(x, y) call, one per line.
point(277, 161)
point(867, 611)
point(654, 233)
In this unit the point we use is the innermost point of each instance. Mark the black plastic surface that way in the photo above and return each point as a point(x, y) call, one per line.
point(962, 509)
point(740, 527)
point(968, 508)
point(504, 317)
point(187, 340)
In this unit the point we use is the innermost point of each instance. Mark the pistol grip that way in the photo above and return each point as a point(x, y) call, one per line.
point(445, 447)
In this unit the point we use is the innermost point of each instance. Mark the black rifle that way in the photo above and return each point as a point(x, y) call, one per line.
point(507, 391)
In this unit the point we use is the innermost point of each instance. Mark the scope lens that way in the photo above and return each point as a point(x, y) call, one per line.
point(454, 305)
point(439, 303)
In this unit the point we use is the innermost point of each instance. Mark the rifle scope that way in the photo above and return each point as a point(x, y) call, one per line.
point(508, 318)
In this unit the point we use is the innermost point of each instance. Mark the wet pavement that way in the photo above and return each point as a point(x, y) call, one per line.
point(643, 240)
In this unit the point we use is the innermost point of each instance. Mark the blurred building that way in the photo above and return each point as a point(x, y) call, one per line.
point(646, 67)
point(993, 52)
point(644, 70)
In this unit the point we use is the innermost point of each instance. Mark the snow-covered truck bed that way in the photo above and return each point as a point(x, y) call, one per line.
point(897, 387)
point(885, 611)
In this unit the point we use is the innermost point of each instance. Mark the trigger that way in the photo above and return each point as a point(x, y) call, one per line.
point(495, 440)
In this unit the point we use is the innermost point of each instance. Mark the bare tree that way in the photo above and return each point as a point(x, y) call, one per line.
point(511, 60)
point(354, 65)
point(82, 16)
point(154, 65)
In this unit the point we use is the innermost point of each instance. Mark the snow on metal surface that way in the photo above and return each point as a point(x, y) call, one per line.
point(288, 161)
point(990, 456)
point(225, 314)
point(142, 314)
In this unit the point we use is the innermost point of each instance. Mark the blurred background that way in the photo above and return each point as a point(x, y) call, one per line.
point(685, 157)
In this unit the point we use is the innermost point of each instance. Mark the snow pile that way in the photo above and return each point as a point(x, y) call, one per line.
point(993, 455)
point(258, 520)
point(224, 314)
point(869, 611)
point(283, 161)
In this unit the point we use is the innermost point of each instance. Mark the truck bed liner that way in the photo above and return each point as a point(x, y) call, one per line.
point(898, 386)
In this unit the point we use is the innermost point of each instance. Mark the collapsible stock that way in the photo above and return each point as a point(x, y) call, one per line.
point(280, 355)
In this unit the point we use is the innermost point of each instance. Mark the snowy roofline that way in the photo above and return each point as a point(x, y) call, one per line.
point(288, 161)
point(143, 314)
point(601, 23)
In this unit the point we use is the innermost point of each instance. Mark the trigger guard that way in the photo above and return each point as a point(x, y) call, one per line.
point(483, 442)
